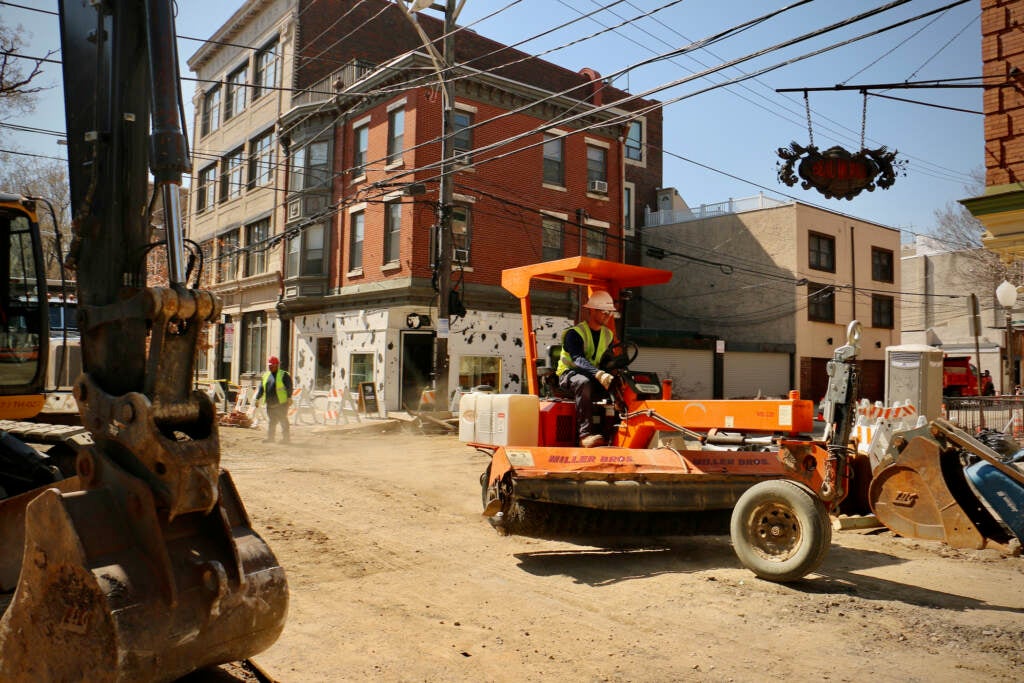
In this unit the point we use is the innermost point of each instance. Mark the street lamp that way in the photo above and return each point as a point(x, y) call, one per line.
point(445, 190)
point(1006, 294)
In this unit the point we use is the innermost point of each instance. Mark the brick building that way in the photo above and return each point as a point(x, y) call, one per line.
point(1001, 208)
point(354, 207)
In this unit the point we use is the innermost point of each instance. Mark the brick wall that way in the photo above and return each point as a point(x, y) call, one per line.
point(1002, 50)
point(331, 33)
point(506, 194)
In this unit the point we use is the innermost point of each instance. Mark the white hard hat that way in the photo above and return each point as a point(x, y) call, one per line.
point(601, 301)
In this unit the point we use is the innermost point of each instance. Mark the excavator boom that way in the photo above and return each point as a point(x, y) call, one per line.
point(142, 565)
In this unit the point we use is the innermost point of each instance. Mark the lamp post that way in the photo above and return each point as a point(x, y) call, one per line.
point(445, 189)
point(1006, 294)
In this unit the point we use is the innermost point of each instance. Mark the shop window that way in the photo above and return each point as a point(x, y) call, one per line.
point(477, 370)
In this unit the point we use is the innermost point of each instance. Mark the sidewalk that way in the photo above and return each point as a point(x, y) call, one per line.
point(393, 422)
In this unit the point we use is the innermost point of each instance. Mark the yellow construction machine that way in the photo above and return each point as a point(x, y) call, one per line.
point(136, 562)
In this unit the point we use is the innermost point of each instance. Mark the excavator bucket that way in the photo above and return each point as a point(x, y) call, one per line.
point(920, 491)
point(110, 590)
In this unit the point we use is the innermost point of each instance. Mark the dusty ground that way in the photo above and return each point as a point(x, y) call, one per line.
point(394, 576)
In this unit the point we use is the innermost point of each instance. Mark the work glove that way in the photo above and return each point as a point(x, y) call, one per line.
point(604, 378)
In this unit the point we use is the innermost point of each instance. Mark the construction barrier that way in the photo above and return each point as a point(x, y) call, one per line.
point(876, 423)
point(338, 401)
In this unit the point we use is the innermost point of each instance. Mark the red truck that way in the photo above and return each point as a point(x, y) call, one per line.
point(960, 378)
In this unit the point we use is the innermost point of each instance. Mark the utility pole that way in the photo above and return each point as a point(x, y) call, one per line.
point(445, 186)
point(445, 192)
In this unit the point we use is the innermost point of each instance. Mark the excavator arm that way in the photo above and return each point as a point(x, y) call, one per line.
point(144, 566)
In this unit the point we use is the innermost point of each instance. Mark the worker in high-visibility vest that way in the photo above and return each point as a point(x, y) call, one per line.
point(578, 371)
point(276, 391)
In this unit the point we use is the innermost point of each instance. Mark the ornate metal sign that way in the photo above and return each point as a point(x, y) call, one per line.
point(837, 172)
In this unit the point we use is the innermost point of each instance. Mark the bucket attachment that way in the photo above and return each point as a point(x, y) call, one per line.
point(920, 491)
point(113, 589)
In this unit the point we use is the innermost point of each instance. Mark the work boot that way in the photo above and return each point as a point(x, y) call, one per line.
point(592, 441)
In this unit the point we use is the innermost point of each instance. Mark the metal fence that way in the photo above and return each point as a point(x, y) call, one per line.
point(1002, 413)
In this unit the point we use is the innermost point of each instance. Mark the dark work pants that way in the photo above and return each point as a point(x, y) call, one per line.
point(277, 414)
point(582, 388)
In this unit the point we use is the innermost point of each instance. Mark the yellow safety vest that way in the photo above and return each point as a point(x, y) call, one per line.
point(282, 392)
point(591, 354)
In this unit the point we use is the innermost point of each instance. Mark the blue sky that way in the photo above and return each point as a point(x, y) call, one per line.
point(727, 137)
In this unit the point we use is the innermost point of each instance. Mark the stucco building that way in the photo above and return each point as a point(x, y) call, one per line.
point(763, 292)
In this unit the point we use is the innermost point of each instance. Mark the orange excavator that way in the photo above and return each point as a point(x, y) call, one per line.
point(134, 560)
point(749, 467)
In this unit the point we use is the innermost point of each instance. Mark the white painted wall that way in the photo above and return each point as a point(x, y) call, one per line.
point(480, 333)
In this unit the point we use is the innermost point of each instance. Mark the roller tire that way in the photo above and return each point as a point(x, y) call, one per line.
point(780, 530)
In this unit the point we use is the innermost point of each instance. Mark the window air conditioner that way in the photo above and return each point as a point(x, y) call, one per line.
point(462, 158)
point(461, 256)
point(599, 186)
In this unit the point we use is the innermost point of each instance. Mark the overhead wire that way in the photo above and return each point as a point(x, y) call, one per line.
point(870, 33)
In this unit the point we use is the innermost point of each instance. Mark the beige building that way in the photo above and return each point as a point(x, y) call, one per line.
point(235, 209)
point(763, 292)
point(938, 312)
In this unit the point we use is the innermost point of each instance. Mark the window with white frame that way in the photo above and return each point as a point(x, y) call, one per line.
point(396, 135)
point(392, 231)
point(360, 147)
point(310, 167)
point(552, 236)
point(256, 235)
point(628, 190)
point(231, 175)
point(597, 163)
point(635, 141)
point(237, 89)
point(261, 159)
point(554, 164)
point(462, 232)
point(356, 231)
point(265, 74)
point(313, 250)
point(292, 258)
point(254, 342)
point(206, 191)
point(305, 252)
point(462, 133)
point(360, 369)
point(211, 111)
point(595, 241)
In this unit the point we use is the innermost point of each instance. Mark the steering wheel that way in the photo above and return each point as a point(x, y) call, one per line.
point(619, 355)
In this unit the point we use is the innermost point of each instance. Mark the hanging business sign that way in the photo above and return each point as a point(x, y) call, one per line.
point(836, 172)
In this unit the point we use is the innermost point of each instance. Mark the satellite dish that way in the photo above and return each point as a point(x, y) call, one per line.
point(417, 5)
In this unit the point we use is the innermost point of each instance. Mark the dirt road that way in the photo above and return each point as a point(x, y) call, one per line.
point(394, 576)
